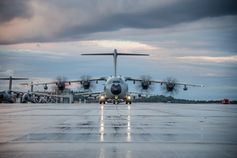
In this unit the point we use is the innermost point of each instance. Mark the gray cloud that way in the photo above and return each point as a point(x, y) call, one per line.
point(74, 20)
point(10, 9)
point(158, 17)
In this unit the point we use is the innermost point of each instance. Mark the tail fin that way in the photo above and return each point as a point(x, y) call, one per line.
point(10, 80)
point(115, 54)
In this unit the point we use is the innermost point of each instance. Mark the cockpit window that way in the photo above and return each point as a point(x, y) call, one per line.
point(116, 81)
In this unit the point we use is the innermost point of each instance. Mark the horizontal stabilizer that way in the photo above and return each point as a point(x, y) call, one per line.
point(133, 54)
point(13, 78)
point(129, 54)
point(98, 54)
point(115, 55)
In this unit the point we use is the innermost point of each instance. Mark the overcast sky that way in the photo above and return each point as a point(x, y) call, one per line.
point(193, 41)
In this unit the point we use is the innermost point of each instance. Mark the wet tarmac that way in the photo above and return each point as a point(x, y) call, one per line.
point(127, 131)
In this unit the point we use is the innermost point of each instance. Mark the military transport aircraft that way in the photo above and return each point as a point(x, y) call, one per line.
point(116, 87)
point(9, 96)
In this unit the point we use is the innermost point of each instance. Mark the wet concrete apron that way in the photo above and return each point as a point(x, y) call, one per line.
point(137, 130)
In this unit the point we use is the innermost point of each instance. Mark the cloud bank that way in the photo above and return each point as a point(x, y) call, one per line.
point(59, 20)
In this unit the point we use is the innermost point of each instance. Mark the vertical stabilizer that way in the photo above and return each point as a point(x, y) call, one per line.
point(115, 55)
point(115, 62)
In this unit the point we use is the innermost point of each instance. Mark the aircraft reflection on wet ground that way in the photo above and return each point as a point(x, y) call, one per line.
point(139, 130)
point(116, 125)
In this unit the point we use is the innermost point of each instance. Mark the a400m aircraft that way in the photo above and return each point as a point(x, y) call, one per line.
point(116, 87)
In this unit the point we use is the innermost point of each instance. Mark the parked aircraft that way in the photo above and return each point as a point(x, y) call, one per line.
point(9, 96)
point(116, 88)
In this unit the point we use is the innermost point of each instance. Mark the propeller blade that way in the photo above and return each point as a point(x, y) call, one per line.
point(86, 83)
point(170, 86)
point(145, 85)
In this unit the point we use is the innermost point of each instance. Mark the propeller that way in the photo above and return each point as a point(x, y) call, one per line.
point(60, 84)
point(170, 86)
point(145, 84)
point(86, 83)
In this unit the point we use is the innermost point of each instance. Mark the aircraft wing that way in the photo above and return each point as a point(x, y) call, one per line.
point(44, 83)
point(37, 84)
point(68, 82)
point(162, 82)
point(90, 79)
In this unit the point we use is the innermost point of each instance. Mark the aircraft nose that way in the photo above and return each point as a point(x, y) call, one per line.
point(116, 89)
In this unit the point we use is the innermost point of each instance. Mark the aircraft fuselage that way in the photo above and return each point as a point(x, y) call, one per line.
point(116, 88)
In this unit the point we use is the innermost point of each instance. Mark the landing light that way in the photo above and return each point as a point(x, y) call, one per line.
point(102, 97)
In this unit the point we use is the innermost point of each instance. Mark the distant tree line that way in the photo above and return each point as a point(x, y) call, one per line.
point(158, 98)
point(170, 99)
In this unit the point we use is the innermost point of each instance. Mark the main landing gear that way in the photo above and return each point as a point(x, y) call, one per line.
point(128, 102)
point(102, 102)
point(115, 102)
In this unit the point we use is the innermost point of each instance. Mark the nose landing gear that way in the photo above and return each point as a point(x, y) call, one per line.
point(128, 102)
point(102, 99)
point(102, 102)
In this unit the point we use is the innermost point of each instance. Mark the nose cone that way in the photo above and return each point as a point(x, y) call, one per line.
point(116, 89)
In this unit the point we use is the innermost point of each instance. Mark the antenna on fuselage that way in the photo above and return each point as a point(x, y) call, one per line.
point(115, 55)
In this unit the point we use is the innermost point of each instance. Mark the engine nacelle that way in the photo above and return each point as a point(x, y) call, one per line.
point(61, 86)
point(86, 84)
point(145, 85)
point(170, 87)
point(45, 87)
point(185, 88)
